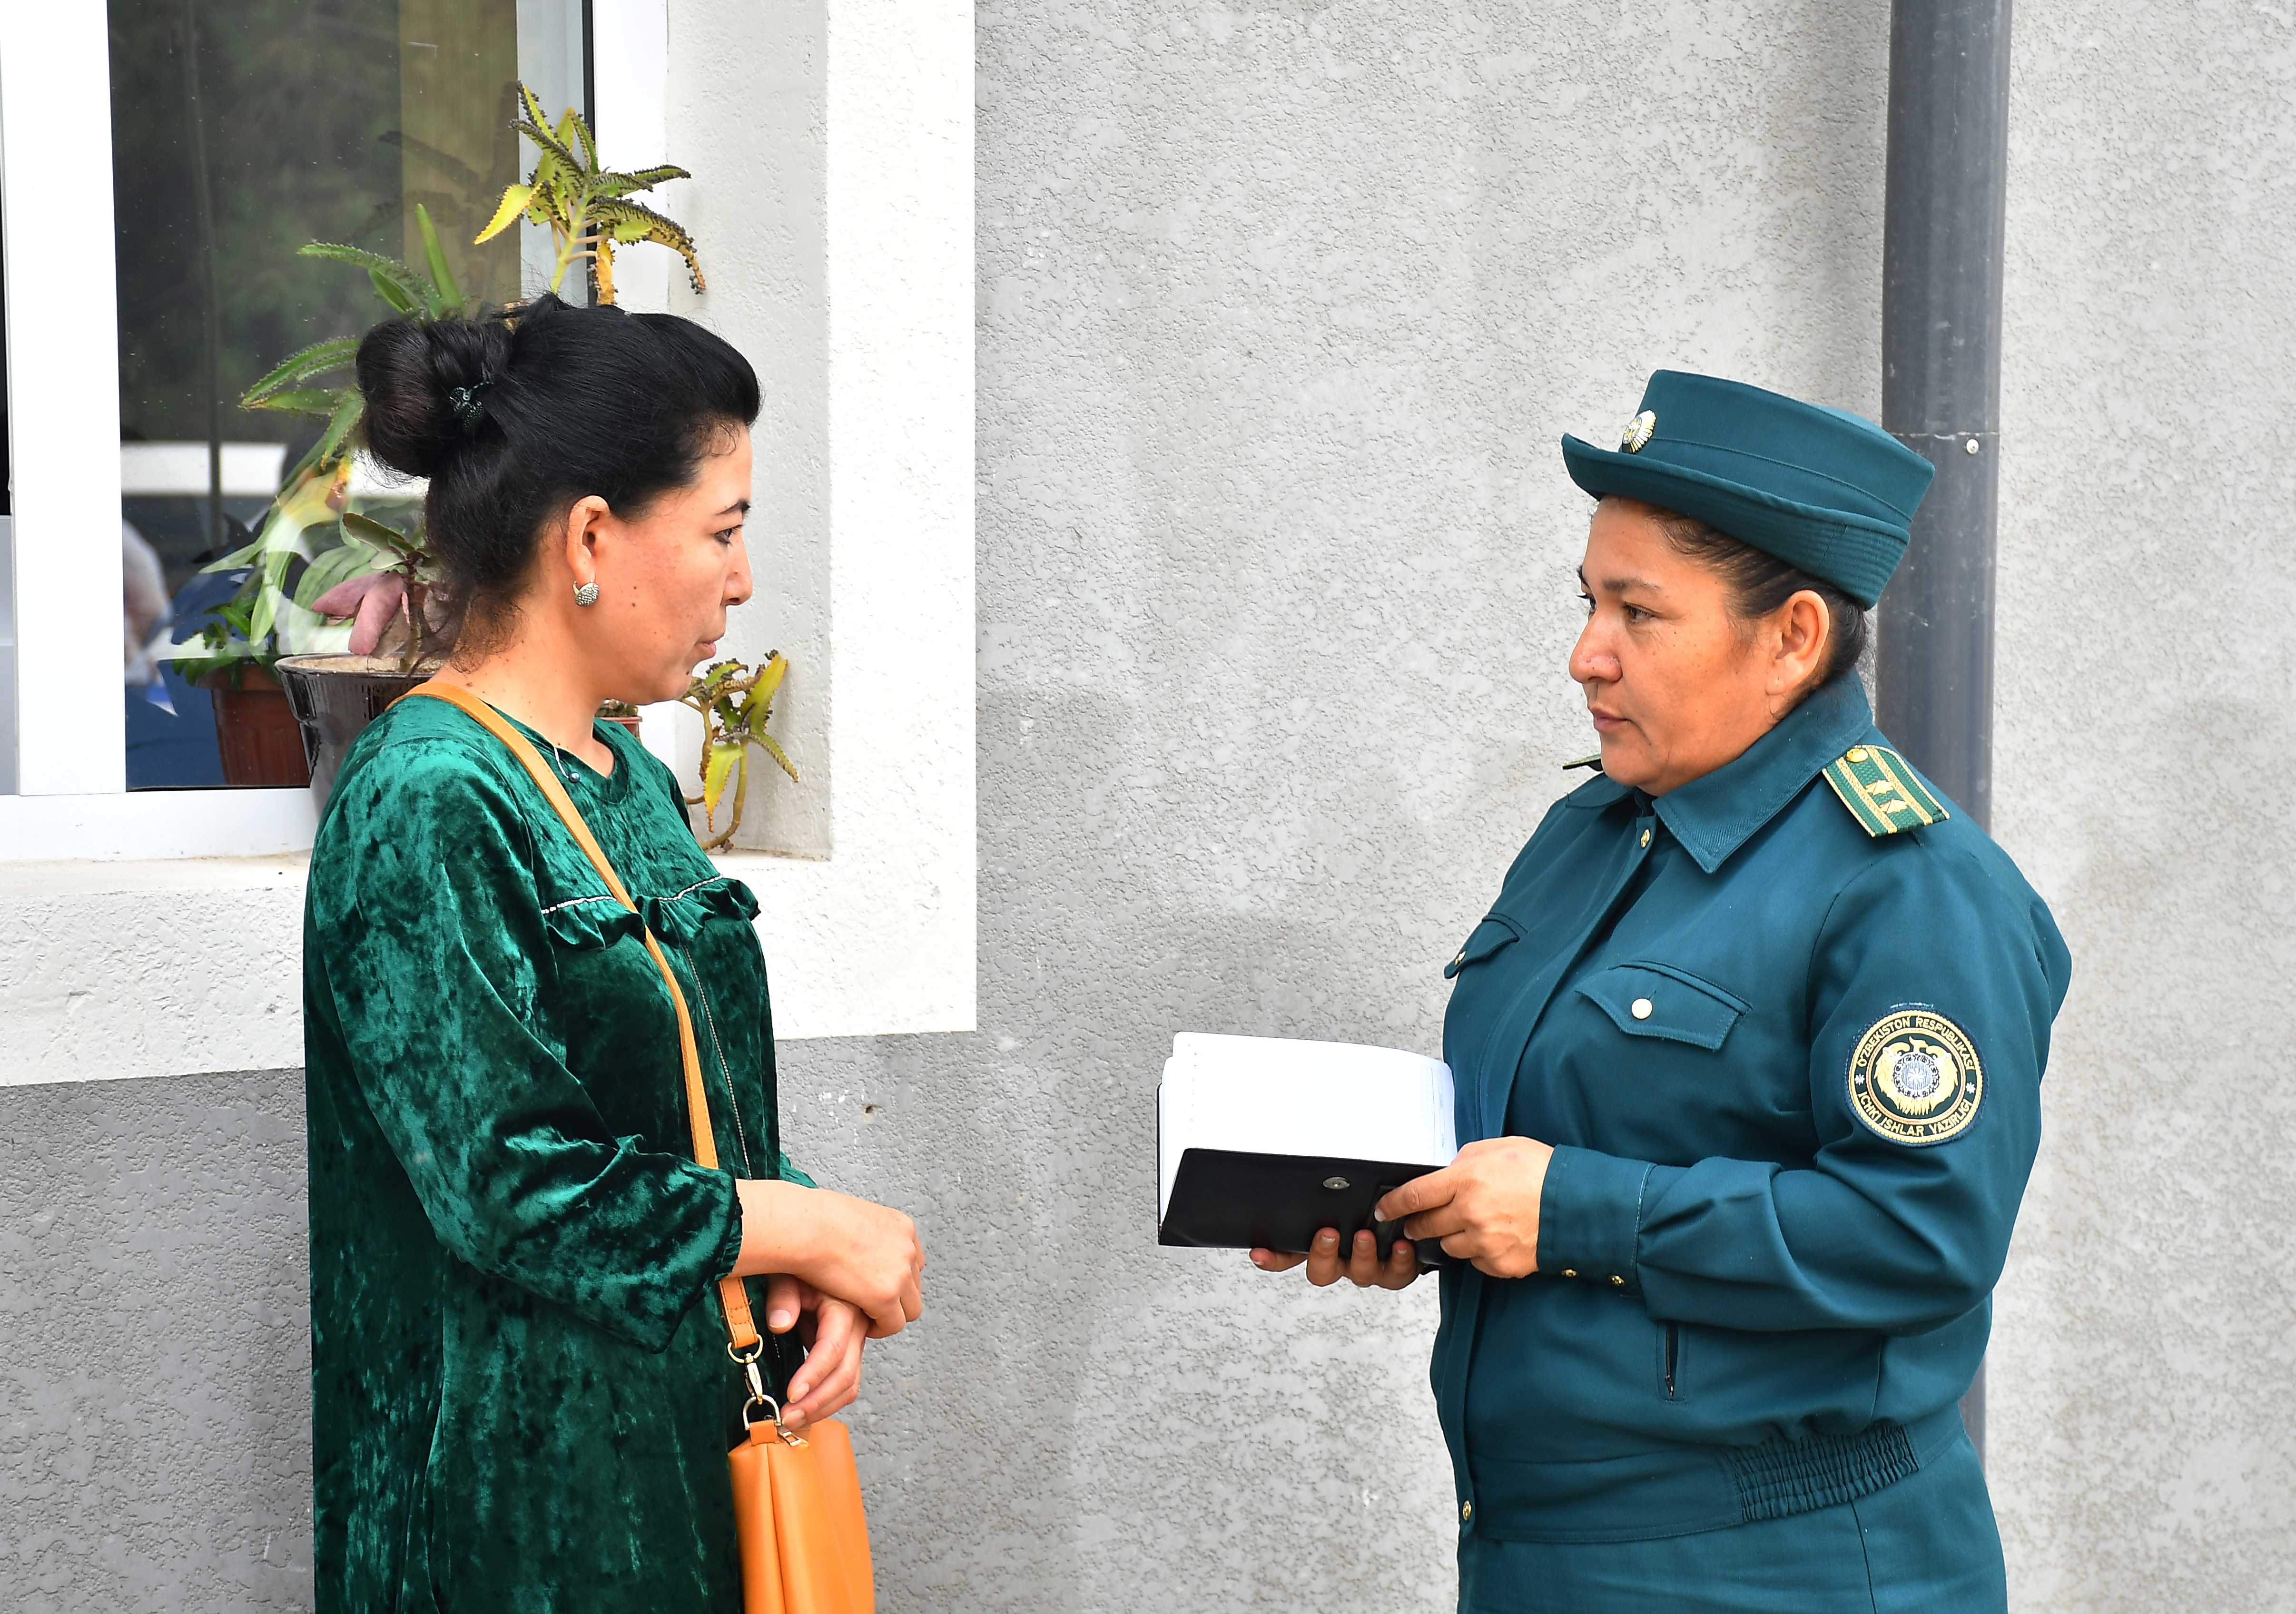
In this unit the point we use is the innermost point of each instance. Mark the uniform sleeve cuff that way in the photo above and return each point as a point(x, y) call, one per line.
point(1590, 1218)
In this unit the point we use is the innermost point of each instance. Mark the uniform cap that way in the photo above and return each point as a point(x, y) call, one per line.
point(1823, 489)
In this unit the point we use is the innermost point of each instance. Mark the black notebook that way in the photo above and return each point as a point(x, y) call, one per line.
point(1265, 1140)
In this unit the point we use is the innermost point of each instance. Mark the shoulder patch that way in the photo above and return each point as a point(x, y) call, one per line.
point(1914, 1077)
point(1882, 793)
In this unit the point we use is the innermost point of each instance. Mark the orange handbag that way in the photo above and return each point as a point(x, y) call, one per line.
point(797, 1500)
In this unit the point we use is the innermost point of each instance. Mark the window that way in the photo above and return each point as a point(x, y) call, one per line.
point(242, 130)
point(150, 926)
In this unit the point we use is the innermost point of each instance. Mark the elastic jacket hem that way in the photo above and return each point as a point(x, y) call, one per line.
point(1685, 1490)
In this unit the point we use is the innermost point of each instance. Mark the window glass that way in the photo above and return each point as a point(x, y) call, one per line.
point(242, 130)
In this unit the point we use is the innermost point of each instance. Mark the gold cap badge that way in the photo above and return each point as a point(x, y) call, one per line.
point(1639, 431)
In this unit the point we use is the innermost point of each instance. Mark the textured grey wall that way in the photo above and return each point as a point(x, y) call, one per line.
point(2144, 1446)
point(1281, 314)
point(155, 1360)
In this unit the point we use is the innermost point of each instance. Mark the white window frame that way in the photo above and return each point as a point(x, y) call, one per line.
point(159, 933)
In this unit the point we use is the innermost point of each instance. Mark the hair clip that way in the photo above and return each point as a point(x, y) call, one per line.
point(466, 403)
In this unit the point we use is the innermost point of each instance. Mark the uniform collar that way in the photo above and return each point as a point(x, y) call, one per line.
point(1716, 814)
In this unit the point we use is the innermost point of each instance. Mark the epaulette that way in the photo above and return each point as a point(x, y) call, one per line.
point(1883, 794)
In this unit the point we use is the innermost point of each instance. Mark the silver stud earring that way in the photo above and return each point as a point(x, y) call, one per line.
point(586, 593)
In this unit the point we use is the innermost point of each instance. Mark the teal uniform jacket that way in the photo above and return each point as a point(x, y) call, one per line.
point(1785, 1028)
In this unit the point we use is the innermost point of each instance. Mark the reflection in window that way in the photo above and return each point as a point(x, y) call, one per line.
point(242, 129)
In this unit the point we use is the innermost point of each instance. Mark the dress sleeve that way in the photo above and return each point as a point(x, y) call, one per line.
point(1901, 1222)
point(429, 930)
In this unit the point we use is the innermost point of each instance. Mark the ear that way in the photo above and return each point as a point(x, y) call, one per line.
point(579, 538)
point(1804, 627)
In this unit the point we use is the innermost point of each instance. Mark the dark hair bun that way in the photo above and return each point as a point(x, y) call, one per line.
point(409, 370)
point(569, 403)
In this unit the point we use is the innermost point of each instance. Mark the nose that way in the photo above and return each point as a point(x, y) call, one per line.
point(1591, 660)
point(738, 585)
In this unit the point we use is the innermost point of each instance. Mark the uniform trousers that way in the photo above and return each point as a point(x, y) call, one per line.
point(1927, 1543)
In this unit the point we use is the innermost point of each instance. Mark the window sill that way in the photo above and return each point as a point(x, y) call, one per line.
point(179, 966)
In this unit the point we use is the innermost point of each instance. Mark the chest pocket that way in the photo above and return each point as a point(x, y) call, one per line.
point(1487, 938)
point(1658, 1000)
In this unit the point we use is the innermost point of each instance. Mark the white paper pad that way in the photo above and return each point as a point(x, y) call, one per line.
point(1273, 1096)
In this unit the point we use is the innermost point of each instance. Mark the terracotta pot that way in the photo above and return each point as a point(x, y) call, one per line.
point(256, 733)
point(335, 698)
point(630, 724)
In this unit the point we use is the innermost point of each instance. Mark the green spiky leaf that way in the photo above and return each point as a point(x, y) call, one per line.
point(548, 142)
point(317, 359)
point(321, 401)
point(242, 556)
point(445, 297)
point(408, 282)
point(588, 143)
point(515, 200)
point(397, 296)
point(718, 768)
point(773, 748)
point(644, 179)
point(273, 574)
point(338, 565)
point(388, 540)
point(328, 448)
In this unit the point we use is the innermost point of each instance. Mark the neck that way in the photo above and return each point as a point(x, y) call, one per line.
point(537, 679)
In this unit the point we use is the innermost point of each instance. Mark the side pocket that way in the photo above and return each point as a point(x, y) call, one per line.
point(1670, 1360)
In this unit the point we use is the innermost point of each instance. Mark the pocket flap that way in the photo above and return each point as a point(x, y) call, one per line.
point(1658, 1000)
point(1487, 938)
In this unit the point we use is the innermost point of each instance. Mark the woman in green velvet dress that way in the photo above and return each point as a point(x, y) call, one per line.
point(520, 1393)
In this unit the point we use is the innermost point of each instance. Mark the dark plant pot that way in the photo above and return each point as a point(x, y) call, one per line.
point(257, 735)
point(335, 698)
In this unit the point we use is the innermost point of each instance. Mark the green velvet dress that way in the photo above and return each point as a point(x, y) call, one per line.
point(520, 1392)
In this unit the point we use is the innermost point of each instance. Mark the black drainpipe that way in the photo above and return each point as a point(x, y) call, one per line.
point(1941, 261)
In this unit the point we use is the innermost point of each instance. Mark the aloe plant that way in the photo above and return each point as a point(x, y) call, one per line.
point(279, 609)
point(735, 700)
point(588, 208)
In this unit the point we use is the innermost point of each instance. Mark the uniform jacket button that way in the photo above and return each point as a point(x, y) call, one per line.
point(1617, 1282)
point(1640, 1008)
point(1569, 1272)
point(1466, 1512)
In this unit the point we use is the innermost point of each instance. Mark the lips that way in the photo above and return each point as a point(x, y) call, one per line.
point(1606, 721)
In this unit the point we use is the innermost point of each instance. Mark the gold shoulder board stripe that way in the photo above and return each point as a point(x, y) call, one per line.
point(1881, 792)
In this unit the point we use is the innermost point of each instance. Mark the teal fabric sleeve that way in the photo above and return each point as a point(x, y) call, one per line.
point(1874, 1233)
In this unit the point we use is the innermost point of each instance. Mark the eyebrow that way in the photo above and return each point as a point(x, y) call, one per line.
point(738, 507)
point(1619, 586)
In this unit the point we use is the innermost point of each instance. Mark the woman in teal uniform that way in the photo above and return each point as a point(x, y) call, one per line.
point(520, 1395)
point(1749, 1053)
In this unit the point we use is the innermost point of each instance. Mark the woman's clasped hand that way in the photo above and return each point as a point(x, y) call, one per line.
point(844, 1271)
point(1482, 1207)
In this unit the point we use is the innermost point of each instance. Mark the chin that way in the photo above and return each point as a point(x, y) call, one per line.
point(1628, 764)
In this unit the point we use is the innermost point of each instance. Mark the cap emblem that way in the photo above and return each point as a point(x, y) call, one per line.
point(1639, 431)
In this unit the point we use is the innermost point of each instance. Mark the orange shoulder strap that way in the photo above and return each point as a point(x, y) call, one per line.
point(731, 1292)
